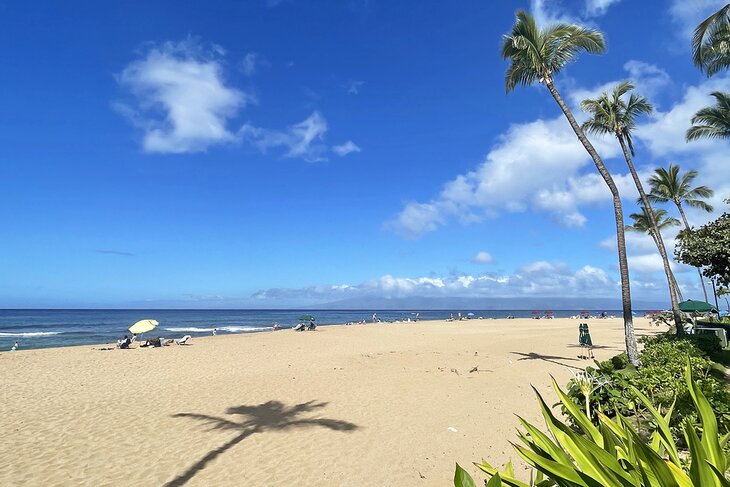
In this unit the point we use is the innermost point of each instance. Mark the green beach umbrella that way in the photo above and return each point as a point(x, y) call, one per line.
point(691, 305)
point(143, 326)
point(306, 318)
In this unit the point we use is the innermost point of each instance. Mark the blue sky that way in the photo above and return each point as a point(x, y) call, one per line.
point(290, 152)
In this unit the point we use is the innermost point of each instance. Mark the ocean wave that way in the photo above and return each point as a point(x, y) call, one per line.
point(31, 334)
point(230, 329)
point(234, 329)
point(191, 329)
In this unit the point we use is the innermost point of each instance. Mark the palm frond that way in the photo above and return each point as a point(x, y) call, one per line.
point(699, 204)
point(536, 55)
point(712, 122)
point(708, 52)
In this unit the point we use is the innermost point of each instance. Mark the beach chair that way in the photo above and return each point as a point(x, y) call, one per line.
point(183, 340)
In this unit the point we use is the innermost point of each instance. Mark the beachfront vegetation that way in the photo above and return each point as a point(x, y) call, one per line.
point(659, 378)
point(536, 55)
point(615, 453)
point(667, 185)
point(611, 113)
point(708, 247)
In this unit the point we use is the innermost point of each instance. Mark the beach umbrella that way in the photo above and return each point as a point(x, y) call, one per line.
point(143, 326)
point(470, 314)
point(306, 318)
point(691, 305)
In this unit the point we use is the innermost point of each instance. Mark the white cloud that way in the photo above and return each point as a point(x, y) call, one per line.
point(182, 101)
point(541, 166)
point(596, 8)
point(534, 164)
point(548, 12)
point(353, 87)
point(534, 279)
point(250, 63)
point(687, 14)
point(648, 78)
point(664, 133)
point(346, 148)
point(303, 139)
point(483, 258)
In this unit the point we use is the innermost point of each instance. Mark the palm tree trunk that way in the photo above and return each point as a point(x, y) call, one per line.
point(686, 225)
point(671, 282)
point(675, 285)
point(630, 339)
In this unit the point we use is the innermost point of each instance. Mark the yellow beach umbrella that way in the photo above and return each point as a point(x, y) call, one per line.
point(143, 326)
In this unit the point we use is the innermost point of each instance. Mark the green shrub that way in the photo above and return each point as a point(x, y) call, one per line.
point(613, 453)
point(620, 361)
point(608, 388)
point(660, 377)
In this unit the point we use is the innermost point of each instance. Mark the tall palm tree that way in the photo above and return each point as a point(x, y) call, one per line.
point(536, 55)
point(611, 114)
point(712, 122)
point(667, 185)
point(653, 225)
point(711, 42)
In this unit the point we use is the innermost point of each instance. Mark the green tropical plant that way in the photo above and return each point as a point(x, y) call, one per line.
point(608, 385)
point(712, 122)
point(613, 453)
point(611, 114)
point(667, 185)
point(643, 224)
point(708, 246)
point(711, 42)
point(536, 56)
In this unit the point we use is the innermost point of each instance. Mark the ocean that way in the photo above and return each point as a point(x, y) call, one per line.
point(64, 327)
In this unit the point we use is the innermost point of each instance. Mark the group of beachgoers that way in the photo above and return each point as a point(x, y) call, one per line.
point(126, 342)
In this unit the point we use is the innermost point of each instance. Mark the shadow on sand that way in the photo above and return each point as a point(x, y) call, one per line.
point(268, 416)
point(554, 359)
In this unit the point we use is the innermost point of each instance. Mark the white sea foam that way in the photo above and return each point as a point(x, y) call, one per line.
point(31, 334)
point(236, 329)
point(231, 329)
point(190, 330)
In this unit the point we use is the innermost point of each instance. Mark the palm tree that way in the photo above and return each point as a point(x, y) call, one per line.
point(667, 185)
point(712, 122)
point(611, 114)
point(653, 225)
point(711, 42)
point(536, 55)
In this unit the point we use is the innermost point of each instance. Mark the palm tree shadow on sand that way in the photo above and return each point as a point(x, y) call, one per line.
point(268, 416)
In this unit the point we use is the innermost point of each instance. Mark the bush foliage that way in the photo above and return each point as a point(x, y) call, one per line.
point(660, 378)
point(614, 453)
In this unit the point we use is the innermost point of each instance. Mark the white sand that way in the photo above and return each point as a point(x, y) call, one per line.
point(366, 405)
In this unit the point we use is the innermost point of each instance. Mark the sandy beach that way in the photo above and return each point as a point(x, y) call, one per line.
point(373, 405)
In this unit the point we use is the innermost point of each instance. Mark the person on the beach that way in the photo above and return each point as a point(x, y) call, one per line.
point(375, 317)
point(275, 326)
point(417, 315)
point(124, 342)
point(584, 339)
point(215, 330)
point(16, 345)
